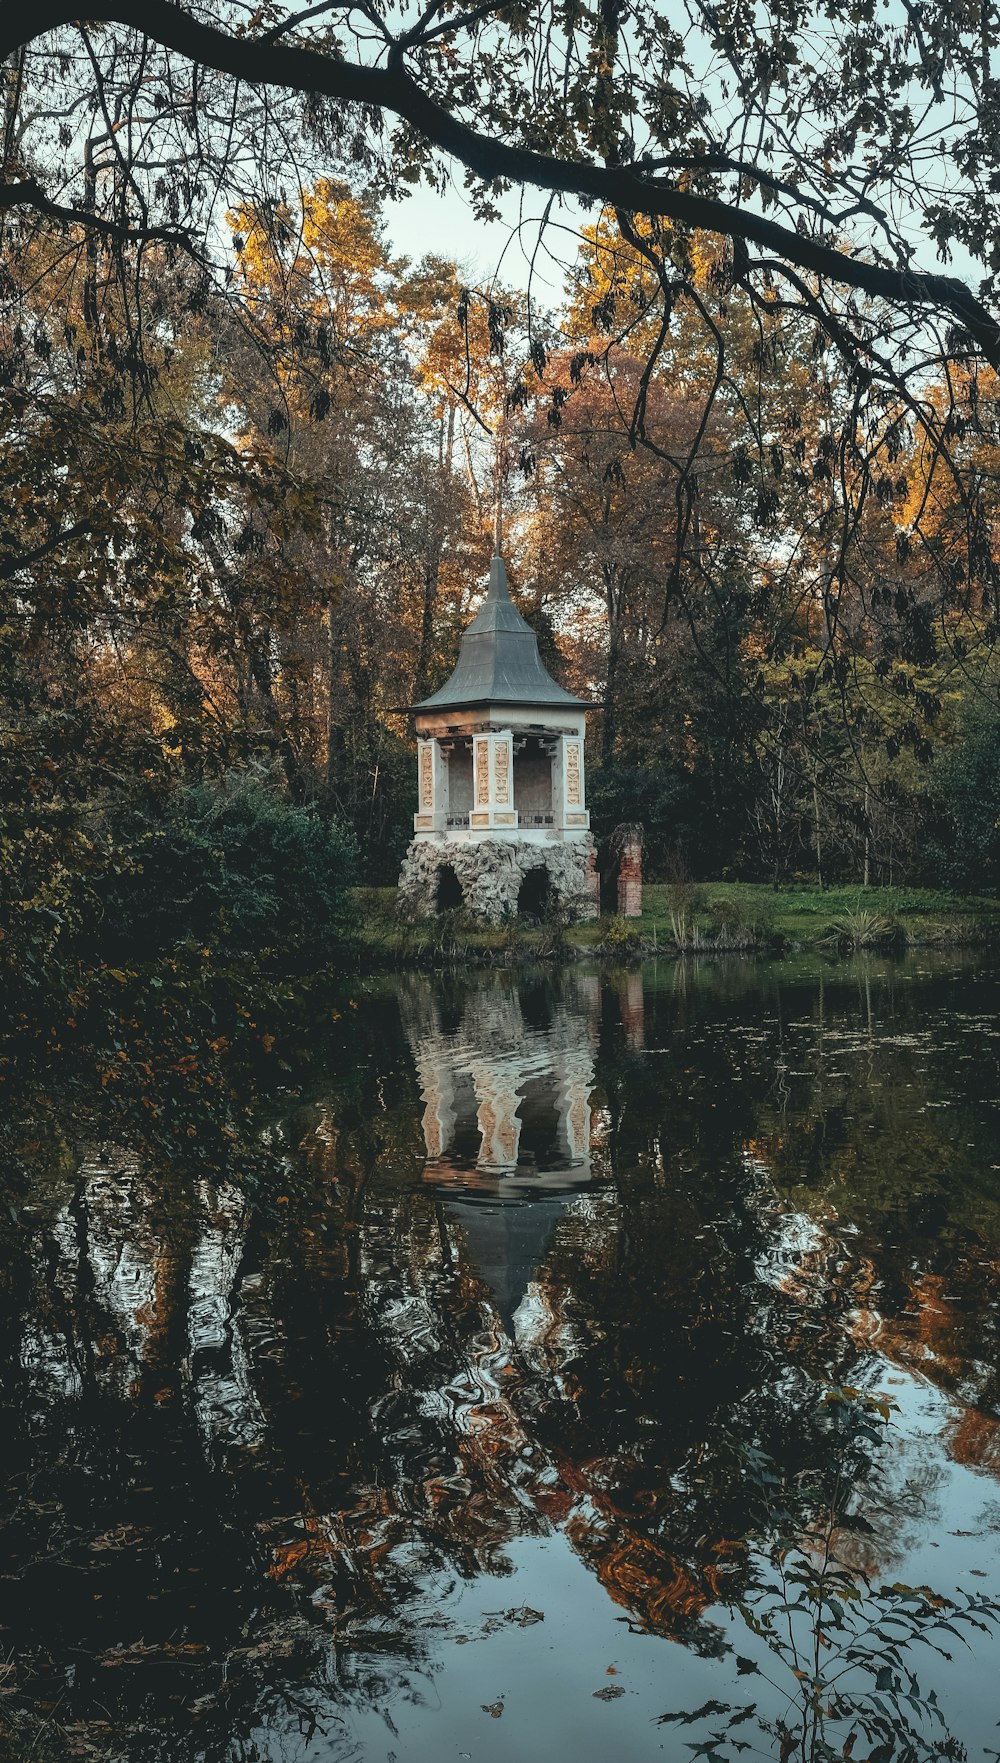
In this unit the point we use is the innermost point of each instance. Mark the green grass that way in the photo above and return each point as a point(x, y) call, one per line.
point(786, 917)
point(805, 914)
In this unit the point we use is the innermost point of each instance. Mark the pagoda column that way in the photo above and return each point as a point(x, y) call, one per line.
point(432, 786)
point(493, 780)
point(569, 780)
point(498, 1098)
point(438, 1096)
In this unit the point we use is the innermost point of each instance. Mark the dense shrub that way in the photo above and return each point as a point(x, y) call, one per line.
point(965, 851)
point(235, 867)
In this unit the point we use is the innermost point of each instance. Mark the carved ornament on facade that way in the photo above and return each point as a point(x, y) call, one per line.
point(501, 772)
point(573, 773)
point(482, 771)
point(426, 777)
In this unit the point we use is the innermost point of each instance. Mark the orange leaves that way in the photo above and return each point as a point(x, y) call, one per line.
point(286, 1557)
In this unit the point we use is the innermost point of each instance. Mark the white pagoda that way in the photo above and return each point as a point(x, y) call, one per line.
point(502, 824)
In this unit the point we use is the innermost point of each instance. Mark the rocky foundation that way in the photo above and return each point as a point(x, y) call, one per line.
point(490, 873)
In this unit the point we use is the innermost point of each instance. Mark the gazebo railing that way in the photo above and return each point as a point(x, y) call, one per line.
point(523, 819)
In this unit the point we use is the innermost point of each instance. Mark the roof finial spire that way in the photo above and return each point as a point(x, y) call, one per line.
point(498, 579)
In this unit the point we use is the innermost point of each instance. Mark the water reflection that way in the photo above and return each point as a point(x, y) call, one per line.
point(505, 1078)
point(299, 1476)
point(505, 1075)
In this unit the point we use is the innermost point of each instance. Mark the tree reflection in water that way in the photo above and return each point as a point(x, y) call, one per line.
point(548, 1256)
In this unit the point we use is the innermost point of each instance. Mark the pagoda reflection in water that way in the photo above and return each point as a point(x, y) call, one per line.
point(506, 1075)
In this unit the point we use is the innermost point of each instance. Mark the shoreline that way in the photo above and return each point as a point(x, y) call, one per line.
point(695, 920)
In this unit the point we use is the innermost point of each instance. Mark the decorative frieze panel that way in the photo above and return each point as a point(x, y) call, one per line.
point(501, 771)
point(574, 779)
point(426, 777)
point(482, 772)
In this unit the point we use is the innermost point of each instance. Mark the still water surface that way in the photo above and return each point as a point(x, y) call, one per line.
point(431, 1456)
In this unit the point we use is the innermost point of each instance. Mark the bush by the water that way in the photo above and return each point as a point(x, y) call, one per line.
point(236, 867)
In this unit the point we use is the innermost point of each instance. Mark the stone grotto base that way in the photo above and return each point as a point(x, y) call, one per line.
point(490, 873)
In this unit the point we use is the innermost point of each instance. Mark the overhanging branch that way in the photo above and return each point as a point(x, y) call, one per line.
point(28, 193)
point(393, 89)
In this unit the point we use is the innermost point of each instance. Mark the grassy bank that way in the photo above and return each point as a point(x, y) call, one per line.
point(719, 915)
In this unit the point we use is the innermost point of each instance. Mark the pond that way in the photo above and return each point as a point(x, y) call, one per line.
point(440, 1450)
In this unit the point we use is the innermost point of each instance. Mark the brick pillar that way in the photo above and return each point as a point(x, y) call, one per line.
point(630, 879)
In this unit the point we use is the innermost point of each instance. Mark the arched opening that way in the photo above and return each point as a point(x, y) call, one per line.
point(449, 896)
point(535, 893)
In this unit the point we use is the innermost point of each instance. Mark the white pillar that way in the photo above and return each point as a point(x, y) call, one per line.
point(438, 1095)
point(493, 780)
point(571, 782)
point(499, 1123)
point(432, 787)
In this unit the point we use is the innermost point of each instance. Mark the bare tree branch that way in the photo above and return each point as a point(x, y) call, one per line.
point(28, 193)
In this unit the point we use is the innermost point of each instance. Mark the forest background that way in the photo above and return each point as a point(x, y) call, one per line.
point(247, 519)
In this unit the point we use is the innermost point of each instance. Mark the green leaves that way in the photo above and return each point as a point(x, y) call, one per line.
point(836, 1642)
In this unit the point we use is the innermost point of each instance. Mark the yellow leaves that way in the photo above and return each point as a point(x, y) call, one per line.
point(325, 258)
point(704, 259)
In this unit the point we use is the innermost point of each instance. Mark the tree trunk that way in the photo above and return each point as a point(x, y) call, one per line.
point(432, 580)
point(609, 726)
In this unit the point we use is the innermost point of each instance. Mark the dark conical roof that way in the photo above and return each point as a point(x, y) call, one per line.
point(507, 1242)
point(498, 662)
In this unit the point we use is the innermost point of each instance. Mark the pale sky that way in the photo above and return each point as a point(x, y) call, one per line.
point(426, 222)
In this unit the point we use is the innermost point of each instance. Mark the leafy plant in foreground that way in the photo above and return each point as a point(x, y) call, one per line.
point(839, 1644)
point(862, 928)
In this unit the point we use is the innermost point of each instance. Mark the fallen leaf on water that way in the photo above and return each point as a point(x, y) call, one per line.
point(609, 1693)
